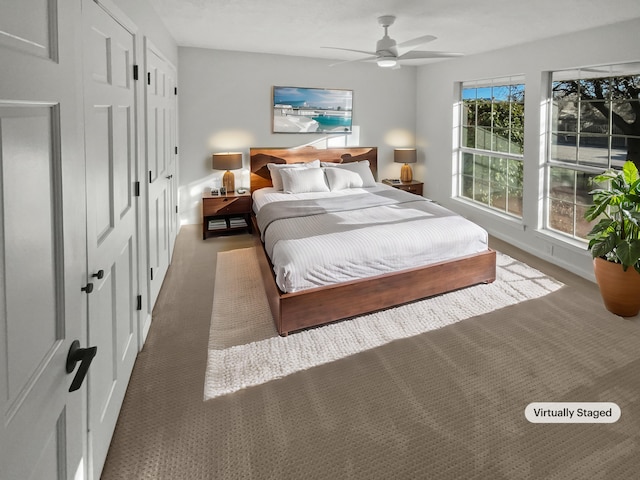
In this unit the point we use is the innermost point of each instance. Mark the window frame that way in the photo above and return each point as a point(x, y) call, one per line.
point(462, 150)
point(579, 75)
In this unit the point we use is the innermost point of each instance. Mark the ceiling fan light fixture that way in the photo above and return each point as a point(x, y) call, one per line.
point(387, 62)
point(386, 53)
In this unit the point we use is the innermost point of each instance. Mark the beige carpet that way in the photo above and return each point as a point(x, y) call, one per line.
point(446, 404)
point(245, 349)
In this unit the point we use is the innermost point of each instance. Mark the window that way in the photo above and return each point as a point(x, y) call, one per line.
point(594, 125)
point(491, 143)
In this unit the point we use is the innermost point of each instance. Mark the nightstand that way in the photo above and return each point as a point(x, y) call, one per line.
point(225, 214)
point(412, 186)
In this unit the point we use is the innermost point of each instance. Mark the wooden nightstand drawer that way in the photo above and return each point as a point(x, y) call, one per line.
point(226, 206)
point(413, 186)
point(417, 189)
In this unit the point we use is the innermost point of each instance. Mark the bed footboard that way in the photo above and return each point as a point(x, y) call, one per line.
point(318, 306)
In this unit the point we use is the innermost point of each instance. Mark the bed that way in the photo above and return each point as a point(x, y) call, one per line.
point(356, 246)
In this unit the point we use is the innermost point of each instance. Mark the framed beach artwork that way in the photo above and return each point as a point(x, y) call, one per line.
point(312, 110)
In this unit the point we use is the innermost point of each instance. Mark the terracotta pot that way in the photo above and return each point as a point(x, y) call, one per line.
point(620, 290)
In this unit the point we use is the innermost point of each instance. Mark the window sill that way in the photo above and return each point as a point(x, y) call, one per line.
point(511, 221)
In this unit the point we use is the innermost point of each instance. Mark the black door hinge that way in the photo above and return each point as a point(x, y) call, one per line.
point(175, 90)
point(136, 189)
point(150, 176)
point(139, 302)
point(176, 208)
point(135, 72)
point(151, 273)
point(148, 78)
point(176, 150)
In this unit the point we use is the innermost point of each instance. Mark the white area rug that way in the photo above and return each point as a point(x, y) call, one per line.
point(245, 348)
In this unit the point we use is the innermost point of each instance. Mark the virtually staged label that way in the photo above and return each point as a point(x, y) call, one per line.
point(572, 412)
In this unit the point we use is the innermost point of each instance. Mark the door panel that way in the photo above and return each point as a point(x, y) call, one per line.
point(42, 240)
point(30, 26)
point(123, 161)
point(26, 153)
point(99, 165)
point(111, 217)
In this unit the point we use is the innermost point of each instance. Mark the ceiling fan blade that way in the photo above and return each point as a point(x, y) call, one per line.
point(416, 41)
point(354, 60)
point(416, 55)
point(351, 50)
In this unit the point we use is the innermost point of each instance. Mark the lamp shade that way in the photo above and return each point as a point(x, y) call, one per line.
point(404, 155)
point(226, 161)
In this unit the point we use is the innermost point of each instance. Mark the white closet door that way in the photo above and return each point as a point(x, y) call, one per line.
point(42, 240)
point(161, 165)
point(110, 132)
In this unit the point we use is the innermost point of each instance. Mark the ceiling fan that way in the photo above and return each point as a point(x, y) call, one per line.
point(386, 53)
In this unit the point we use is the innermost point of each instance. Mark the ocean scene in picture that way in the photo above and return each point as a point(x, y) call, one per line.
point(308, 110)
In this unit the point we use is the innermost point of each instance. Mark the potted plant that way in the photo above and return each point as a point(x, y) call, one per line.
point(615, 240)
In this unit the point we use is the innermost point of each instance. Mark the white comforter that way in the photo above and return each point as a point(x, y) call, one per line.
point(335, 247)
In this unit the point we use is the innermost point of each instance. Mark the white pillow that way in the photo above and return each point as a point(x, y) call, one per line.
point(276, 168)
point(341, 179)
point(303, 180)
point(362, 169)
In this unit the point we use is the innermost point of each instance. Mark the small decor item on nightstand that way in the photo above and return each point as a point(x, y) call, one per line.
point(406, 156)
point(227, 161)
point(392, 181)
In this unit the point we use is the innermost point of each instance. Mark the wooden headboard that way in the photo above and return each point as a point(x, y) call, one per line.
point(260, 177)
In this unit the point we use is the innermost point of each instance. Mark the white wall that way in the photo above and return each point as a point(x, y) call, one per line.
point(435, 98)
point(225, 104)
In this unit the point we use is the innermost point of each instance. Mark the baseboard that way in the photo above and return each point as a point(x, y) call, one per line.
point(586, 273)
point(144, 330)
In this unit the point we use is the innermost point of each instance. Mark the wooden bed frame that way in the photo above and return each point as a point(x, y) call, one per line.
point(317, 306)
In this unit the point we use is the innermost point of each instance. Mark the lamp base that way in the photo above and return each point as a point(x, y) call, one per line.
point(228, 181)
point(406, 174)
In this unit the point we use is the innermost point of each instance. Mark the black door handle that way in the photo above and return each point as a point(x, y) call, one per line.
point(99, 274)
point(82, 355)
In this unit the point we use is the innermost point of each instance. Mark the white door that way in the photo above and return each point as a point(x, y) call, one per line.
point(110, 126)
point(42, 240)
point(161, 165)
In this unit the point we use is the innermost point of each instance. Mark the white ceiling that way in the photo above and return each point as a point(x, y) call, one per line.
point(302, 27)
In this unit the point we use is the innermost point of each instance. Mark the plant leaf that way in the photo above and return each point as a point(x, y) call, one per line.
point(595, 211)
point(630, 172)
point(601, 246)
point(628, 252)
point(632, 217)
point(601, 226)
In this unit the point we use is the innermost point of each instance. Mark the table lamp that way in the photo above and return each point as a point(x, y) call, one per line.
point(406, 156)
point(227, 161)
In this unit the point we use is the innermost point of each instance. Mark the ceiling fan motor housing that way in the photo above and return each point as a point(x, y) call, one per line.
point(386, 47)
